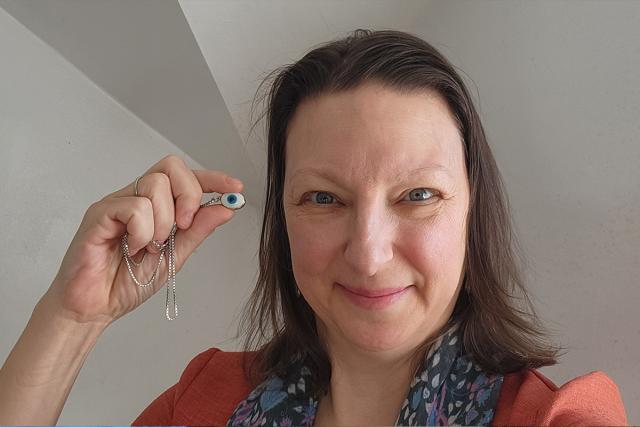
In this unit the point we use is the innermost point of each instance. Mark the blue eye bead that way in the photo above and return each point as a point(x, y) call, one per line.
point(232, 200)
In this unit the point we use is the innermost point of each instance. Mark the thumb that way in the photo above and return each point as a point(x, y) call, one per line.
point(205, 221)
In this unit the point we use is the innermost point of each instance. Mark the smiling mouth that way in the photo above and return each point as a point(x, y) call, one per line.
point(367, 293)
point(374, 300)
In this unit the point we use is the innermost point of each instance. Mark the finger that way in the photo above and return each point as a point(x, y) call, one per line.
point(134, 214)
point(217, 181)
point(204, 223)
point(187, 186)
point(157, 187)
point(184, 187)
point(209, 181)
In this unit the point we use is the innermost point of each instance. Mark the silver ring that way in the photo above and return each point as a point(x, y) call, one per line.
point(135, 186)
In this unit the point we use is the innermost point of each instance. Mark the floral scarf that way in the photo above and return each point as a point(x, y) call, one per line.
point(448, 389)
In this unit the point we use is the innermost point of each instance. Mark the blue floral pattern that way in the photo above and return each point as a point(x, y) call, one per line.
point(448, 389)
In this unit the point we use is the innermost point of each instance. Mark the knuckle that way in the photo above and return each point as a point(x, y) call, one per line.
point(94, 208)
point(143, 204)
point(173, 160)
point(159, 179)
point(95, 205)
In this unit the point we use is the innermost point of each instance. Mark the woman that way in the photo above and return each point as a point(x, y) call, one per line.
point(388, 284)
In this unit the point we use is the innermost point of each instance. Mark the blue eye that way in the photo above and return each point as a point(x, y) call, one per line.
point(232, 200)
point(420, 194)
point(324, 197)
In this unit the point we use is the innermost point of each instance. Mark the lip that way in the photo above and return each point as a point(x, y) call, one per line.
point(371, 299)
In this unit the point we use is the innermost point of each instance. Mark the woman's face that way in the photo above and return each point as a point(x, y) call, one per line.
point(375, 200)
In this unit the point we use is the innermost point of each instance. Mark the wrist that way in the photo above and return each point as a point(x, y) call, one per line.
point(49, 309)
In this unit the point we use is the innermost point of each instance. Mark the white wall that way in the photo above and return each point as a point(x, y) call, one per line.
point(63, 145)
point(144, 55)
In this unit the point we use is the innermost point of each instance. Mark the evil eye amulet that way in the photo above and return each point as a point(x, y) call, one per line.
point(232, 200)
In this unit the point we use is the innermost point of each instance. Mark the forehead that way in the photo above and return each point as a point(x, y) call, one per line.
point(374, 128)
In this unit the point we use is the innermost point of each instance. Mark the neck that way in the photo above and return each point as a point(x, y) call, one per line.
point(367, 387)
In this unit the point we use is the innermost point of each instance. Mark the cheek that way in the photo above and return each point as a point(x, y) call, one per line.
point(436, 250)
point(312, 247)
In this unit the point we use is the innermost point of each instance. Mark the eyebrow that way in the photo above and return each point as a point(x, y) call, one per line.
point(435, 169)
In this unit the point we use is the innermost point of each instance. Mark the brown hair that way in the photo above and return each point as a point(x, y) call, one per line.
point(500, 334)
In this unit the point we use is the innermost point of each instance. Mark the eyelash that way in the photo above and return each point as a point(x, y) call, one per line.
point(306, 198)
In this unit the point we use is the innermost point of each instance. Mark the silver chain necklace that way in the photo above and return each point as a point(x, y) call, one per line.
point(229, 200)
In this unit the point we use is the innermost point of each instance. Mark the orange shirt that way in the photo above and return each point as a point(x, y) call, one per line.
point(213, 383)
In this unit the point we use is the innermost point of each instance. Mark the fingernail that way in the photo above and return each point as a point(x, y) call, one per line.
point(231, 180)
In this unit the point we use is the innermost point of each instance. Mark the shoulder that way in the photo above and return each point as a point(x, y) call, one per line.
point(529, 397)
point(211, 386)
point(215, 363)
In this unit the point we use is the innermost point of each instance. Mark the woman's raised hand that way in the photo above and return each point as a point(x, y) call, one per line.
point(93, 283)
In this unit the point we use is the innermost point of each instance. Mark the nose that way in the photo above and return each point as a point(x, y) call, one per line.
point(369, 239)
